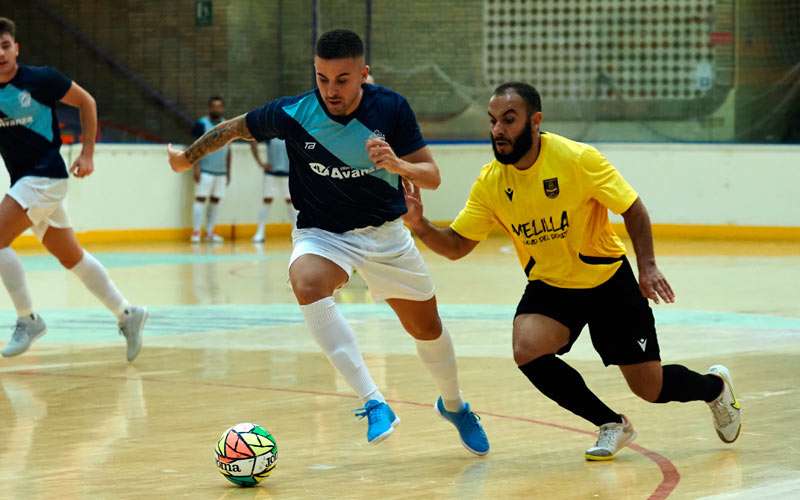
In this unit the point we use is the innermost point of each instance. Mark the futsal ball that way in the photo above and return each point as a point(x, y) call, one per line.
point(246, 454)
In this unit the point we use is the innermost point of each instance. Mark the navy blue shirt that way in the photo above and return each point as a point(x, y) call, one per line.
point(29, 135)
point(331, 180)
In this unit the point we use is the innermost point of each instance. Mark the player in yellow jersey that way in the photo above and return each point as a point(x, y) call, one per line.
point(552, 196)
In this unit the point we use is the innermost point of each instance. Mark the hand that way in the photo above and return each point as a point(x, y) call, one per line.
point(267, 167)
point(83, 166)
point(178, 160)
point(413, 216)
point(653, 285)
point(381, 154)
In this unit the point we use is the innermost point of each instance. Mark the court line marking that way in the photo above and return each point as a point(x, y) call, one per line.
point(670, 477)
point(26, 368)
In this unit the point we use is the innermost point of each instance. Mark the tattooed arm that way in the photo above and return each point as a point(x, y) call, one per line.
point(217, 137)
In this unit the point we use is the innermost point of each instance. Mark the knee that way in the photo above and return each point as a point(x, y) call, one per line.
point(535, 336)
point(200, 199)
point(69, 262)
point(68, 257)
point(428, 327)
point(526, 349)
point(214, 200)
point(308, 289)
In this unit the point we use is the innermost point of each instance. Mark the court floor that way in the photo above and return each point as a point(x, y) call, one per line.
point(226, 344)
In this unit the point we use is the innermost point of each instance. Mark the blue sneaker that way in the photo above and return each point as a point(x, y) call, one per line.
point(381, 419)
point(469, 427)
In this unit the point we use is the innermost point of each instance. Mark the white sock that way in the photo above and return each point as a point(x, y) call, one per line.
point(440, 359)
point(338, 342)
point(94, 276)
point(213, 212)
point(14, 280)
point(292, 213)
point(263, 214)
point(197, 215)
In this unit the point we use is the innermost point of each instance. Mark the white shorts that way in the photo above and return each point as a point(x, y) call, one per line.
point(277, 187)
point(386, 257)
point(210, 185)
point(43, 200)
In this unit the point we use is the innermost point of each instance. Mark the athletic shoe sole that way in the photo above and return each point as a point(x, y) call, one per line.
point(140, 328)
point(35, 337)
point(598, 458)
point(725, 374)
point(463, 443)
point(388, 432)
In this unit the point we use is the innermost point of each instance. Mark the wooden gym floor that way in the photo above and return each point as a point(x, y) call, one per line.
point(226, 344)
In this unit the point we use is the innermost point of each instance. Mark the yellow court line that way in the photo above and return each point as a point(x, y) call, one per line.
point(241, 231)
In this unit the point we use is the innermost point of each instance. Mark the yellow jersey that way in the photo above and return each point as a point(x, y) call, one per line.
point(556, 212)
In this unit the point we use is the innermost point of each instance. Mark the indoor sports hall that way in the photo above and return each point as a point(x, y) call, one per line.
point(696, 103)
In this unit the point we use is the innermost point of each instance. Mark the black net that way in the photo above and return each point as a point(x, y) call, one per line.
point(607, 70)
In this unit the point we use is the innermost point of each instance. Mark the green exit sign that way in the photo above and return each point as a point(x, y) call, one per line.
point(203, 13)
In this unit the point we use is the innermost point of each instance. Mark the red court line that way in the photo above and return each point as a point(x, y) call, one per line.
point(670, 477)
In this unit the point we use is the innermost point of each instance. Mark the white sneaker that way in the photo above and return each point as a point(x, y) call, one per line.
point(726, 410)
point(131, 328)
point(26, 331)
point(610, 439)
point(258, 238)
point(195, 238)
point(214, 238)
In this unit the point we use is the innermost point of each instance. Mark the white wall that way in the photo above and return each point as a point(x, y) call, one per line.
point(710, 184)
point(749, 185)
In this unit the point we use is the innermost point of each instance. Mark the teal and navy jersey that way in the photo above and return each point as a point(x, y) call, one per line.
point(331, 180)
point(277, 157)
point(29, 134)
point(215, 163)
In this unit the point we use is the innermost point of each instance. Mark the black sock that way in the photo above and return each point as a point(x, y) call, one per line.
point(682, 384)
point(564, 385)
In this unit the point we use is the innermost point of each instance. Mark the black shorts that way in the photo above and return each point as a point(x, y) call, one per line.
point(620, 320)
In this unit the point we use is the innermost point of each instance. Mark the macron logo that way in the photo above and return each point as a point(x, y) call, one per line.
point(642, 343)
point(310, 145)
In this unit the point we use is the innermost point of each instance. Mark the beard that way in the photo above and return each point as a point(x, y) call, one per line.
point(522, 144)
point(215, 116)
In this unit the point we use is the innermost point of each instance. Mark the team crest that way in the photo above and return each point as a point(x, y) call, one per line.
point(551, 187)
point(25, 99)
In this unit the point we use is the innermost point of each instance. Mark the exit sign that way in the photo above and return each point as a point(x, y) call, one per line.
point(203, 13)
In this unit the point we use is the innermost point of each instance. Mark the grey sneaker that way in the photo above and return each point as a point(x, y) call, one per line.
point(27, 330)
point(131, 328)
point(726, 409)
point(610, 439)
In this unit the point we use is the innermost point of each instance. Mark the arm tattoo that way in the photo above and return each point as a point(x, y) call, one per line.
point(217, 137)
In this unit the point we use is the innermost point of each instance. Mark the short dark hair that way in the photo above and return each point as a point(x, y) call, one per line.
point(528, 93)
point(215, 98)
point(8, 26)
point(340, 44)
